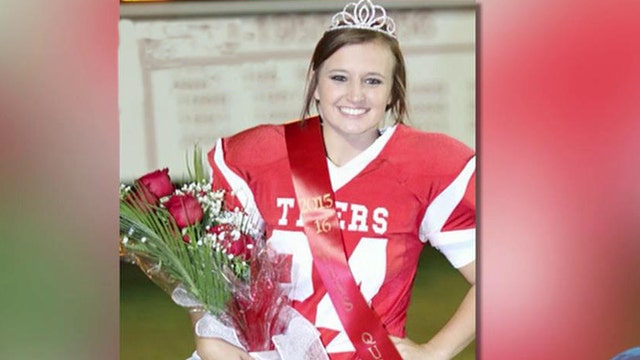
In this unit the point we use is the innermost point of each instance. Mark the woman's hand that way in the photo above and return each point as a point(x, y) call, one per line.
point(218, 349)
point(214, 348)
point(411, 351)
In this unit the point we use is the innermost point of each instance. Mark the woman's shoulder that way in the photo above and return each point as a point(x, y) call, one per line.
point(421, 140)
point(263, 134)
point(416, 140)
point(429, 151)
point(259, 145)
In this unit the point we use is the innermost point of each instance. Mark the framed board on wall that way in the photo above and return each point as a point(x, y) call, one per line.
point(191, 72)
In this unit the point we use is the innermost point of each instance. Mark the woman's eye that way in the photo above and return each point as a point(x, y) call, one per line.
point(339, 78)
point(373, 81)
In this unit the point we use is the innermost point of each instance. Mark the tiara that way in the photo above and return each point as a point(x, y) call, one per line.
point(364, 15)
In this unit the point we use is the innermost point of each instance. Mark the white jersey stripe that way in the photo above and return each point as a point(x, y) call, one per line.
point(341, 175)
point(443, 205)
point(459, 246)
point(240, 188)
point(453, 237)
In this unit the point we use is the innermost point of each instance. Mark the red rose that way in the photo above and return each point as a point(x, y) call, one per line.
point(184, 209)
point(157, 183)
point(150, 188)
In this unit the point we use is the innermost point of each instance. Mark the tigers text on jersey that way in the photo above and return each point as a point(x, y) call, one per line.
point(407, 188)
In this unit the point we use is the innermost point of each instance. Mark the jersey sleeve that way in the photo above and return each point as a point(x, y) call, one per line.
point(228, 175)
point(449, 223)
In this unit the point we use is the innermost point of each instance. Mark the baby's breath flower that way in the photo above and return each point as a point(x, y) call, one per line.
point(207, 240)
point(124, 190)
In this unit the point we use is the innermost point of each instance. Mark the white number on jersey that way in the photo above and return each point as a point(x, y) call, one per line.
point(368, 264)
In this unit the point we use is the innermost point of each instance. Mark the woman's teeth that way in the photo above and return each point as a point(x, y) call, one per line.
point(350, 111)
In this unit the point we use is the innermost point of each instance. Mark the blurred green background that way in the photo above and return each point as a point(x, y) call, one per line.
point(153, 327)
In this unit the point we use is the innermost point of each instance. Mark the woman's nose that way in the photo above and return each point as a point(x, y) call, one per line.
point(356, 93)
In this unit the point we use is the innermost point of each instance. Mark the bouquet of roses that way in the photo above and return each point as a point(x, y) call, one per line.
point(208, 257)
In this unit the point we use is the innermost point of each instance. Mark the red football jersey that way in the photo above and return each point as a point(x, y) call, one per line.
point(407, 188)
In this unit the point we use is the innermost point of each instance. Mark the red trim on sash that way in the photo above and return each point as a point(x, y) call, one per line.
point(316, 201)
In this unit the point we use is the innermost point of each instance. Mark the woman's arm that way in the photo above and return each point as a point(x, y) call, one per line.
point(214, 348)
point(457, 333)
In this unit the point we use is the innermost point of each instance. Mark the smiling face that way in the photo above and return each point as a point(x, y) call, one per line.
point(354, 89)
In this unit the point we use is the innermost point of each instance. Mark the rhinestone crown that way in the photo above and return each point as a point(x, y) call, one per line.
point(364, 15)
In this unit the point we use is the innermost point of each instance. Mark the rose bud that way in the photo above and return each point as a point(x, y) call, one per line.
point(185, 210)
point(241, 248)
point(237, 248)
point(220, 228)
point(248, 246)
point(157, 183)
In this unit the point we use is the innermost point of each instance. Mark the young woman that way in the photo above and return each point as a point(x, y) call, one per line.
point(391, 191)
